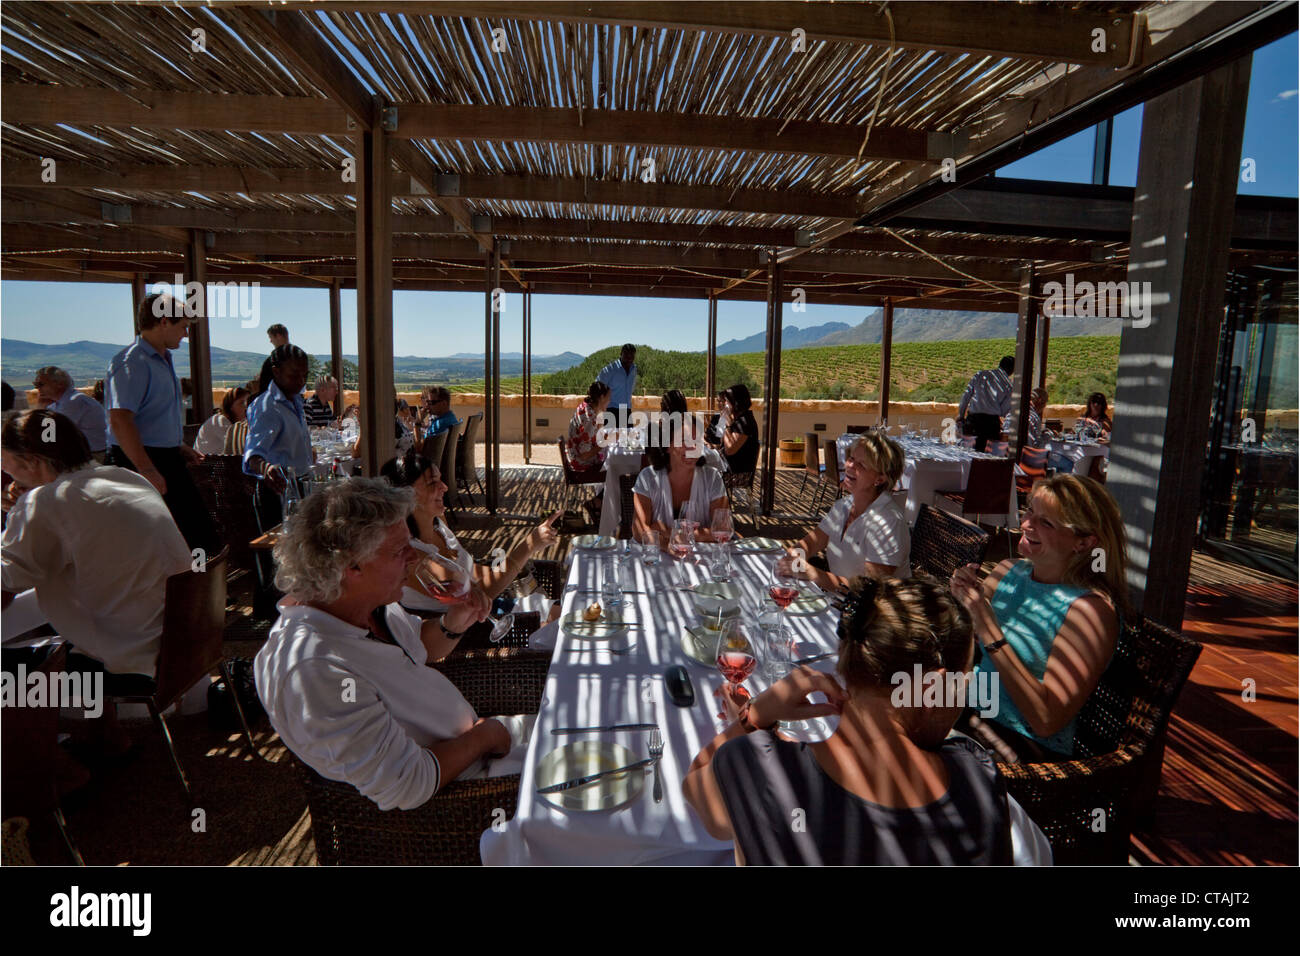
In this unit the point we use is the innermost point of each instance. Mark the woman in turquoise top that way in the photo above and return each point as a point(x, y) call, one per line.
point(1049, 623)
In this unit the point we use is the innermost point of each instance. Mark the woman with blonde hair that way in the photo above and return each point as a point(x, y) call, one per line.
point(1049, 623)
point(889, 786)
point(865, 533)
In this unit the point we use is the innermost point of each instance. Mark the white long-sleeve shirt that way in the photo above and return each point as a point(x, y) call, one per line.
point(989, 393)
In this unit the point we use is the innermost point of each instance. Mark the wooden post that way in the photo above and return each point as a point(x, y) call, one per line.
point(711, 362)
point(886, 346)
point(491, 374)
point(528, 377)
point(1182, 220)
point(375, 296)
point(772, 386)
point(336, 343)
point(494, 476)
point(137, 296)
point(1044, 336)
point(1022, 378)
point(196, 270)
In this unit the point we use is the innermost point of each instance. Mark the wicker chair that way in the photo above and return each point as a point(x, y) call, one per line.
point(466, 455)
point(812, 463)
point(479, 637)
point(943, 542)
point(1119, 749)
point(432, 448)
point(576, 477)
point(734, 482)
point(447, 466)
point(550, 577)
point(228, 494)
point(350, 830)
point(626, 507)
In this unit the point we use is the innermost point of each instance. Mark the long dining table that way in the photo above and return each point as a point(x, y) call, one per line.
point(589, 685)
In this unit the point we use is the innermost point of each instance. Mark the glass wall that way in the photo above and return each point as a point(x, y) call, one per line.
point(1249, 512)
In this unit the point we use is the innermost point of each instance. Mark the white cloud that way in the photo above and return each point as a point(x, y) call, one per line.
point(1286, 95)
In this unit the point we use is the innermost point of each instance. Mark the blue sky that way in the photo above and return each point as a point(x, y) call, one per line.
point(443, 323)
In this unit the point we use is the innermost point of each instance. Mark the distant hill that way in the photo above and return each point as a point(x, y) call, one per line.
point(88, 361)
point(791, 338)
point(943, 325)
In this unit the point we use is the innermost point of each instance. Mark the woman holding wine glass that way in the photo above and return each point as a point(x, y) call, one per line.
point(449, 561)
point(678, 485)
point(865, 533)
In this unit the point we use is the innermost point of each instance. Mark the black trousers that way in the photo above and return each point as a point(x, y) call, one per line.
point(182, 497)
point(985, 428)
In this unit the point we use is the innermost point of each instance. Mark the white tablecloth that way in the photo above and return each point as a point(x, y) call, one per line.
point(624, 461)
point(592, 687)
point(932, 466)
point(1079, 453)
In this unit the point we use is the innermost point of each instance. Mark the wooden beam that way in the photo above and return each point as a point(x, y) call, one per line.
point(1052, 34)
point(374, 260)
point(886, 346)
point(200, 333)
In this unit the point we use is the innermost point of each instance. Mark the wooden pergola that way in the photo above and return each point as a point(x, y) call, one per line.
point(690, 150)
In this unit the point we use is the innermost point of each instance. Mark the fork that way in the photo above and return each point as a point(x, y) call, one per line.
point(657, 751)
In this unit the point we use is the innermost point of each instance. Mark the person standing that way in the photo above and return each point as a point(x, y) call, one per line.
point(56, 393)
point(620, 376)
point(279, 337)
point(144, 416)
point(277, 436)
point(986, 401)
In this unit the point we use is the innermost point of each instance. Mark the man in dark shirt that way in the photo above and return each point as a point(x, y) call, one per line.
point(278, 335)
point(319, 409)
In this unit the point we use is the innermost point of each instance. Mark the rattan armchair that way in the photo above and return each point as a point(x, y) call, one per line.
point(943, 542)
point(1087, 806)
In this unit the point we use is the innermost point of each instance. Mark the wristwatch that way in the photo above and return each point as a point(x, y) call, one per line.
point(995, 646)
point(453, 635)
point(743, 719)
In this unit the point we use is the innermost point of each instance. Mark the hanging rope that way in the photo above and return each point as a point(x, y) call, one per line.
point(884, 79)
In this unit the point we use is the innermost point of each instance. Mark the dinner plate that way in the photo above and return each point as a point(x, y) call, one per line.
point(595, 542)
point(602, 630)
point(701, 645)
point(583, 757)
point(711, 595)
point(809, 603)
point(753, 545)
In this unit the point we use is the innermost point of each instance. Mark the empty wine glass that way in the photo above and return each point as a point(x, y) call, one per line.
point(721, 526)
point(650, 549)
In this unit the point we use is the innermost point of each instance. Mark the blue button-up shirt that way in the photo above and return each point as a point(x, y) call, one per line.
point(442, 423)
point(87, 414)
point(278, 432)
point(144, 382)
point(621, 382)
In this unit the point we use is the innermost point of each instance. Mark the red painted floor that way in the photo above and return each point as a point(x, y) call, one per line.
point(1229, 790)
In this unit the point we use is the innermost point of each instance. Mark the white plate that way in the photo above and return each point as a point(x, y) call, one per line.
point(602, 630)
point(584, 757)
point(701, 645)
point(594, 542)
point(755, 545)
point(708, 597)
point(807, 604)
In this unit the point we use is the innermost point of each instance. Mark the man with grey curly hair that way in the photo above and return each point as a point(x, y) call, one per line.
point(342, 674)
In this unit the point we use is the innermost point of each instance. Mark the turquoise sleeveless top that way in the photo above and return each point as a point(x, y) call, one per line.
point(1030, 614)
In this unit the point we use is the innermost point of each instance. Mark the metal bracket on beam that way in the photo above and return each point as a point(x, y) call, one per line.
point(762, 257)
point(447, 184)
point(209, 239)
point(388, 118)
point(417, 188)
point(480, 223)
point(114, 212)
point(351, 122)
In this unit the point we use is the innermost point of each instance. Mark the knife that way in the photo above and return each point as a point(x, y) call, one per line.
point(815, 658)
point(592, 730)
point(592, 777)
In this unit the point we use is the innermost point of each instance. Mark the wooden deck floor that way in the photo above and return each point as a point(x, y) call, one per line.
point(1228, 795)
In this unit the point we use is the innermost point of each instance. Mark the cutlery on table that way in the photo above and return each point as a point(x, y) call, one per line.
point(816, 657)
point(657, 752)
point(593, 777)
point(617, 652)
point(607, 727)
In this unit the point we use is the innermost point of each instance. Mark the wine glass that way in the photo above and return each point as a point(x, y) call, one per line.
point(611, 590)
point(503, 615)
point(736, 657)
point(292, 497)
point(783, 584)
point(680, 544)
point(452, 589)
point(721, 526)
point(650, 549)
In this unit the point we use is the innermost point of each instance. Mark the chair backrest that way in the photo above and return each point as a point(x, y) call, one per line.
point(1135, 696)
point(1033, 461)
point(564, 460)
point(432, 450)
point(228, 494)
point(626, 509)
point(812, 454)
point(1097, 468)
point(447, 462)
point(1053, 424)
point(943, 542)
point(998, 447)
point(466, 463)
point(833, 470)
point(988, 490)
point(550, 577)
point(194, 624)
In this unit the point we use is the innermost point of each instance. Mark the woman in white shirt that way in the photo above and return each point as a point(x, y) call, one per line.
point(212, 435)
point(865, 533)
point(678, 484)
point(342, 674)
point(429, 533)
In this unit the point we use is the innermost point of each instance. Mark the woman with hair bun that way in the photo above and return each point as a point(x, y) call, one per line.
point(1048, 623)
point(584, 451)
point(889, 786)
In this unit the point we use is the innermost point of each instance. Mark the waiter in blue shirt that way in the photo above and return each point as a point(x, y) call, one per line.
point(145, 416)
point(278, 438)
point(620, 376)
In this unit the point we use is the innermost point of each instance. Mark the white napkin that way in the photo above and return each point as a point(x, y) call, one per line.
point(544, 637)
point(537, 601)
